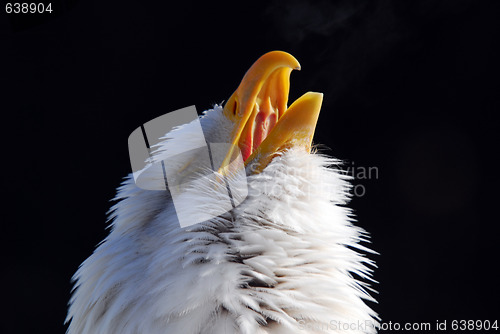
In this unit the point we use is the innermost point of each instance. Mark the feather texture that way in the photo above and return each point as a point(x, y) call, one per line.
point(283, 261)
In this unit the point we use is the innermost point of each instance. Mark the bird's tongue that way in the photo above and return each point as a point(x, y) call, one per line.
point(264, 123)
point(257, 128)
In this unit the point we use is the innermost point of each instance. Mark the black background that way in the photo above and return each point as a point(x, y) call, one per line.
point(411, 88)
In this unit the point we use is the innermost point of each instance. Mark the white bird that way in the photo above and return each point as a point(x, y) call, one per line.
point(282, 261)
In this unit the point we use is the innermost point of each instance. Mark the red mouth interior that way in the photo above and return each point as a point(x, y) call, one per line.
point(259, 125)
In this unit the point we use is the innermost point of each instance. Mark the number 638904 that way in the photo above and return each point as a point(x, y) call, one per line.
point(28, 8)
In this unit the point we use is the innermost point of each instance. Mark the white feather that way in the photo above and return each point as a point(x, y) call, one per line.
point(281, 262)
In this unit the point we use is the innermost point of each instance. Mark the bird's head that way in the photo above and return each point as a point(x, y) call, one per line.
point(255, 123)
point(254, 126)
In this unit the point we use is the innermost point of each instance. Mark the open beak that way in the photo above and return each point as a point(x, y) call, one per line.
point(263, 124)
